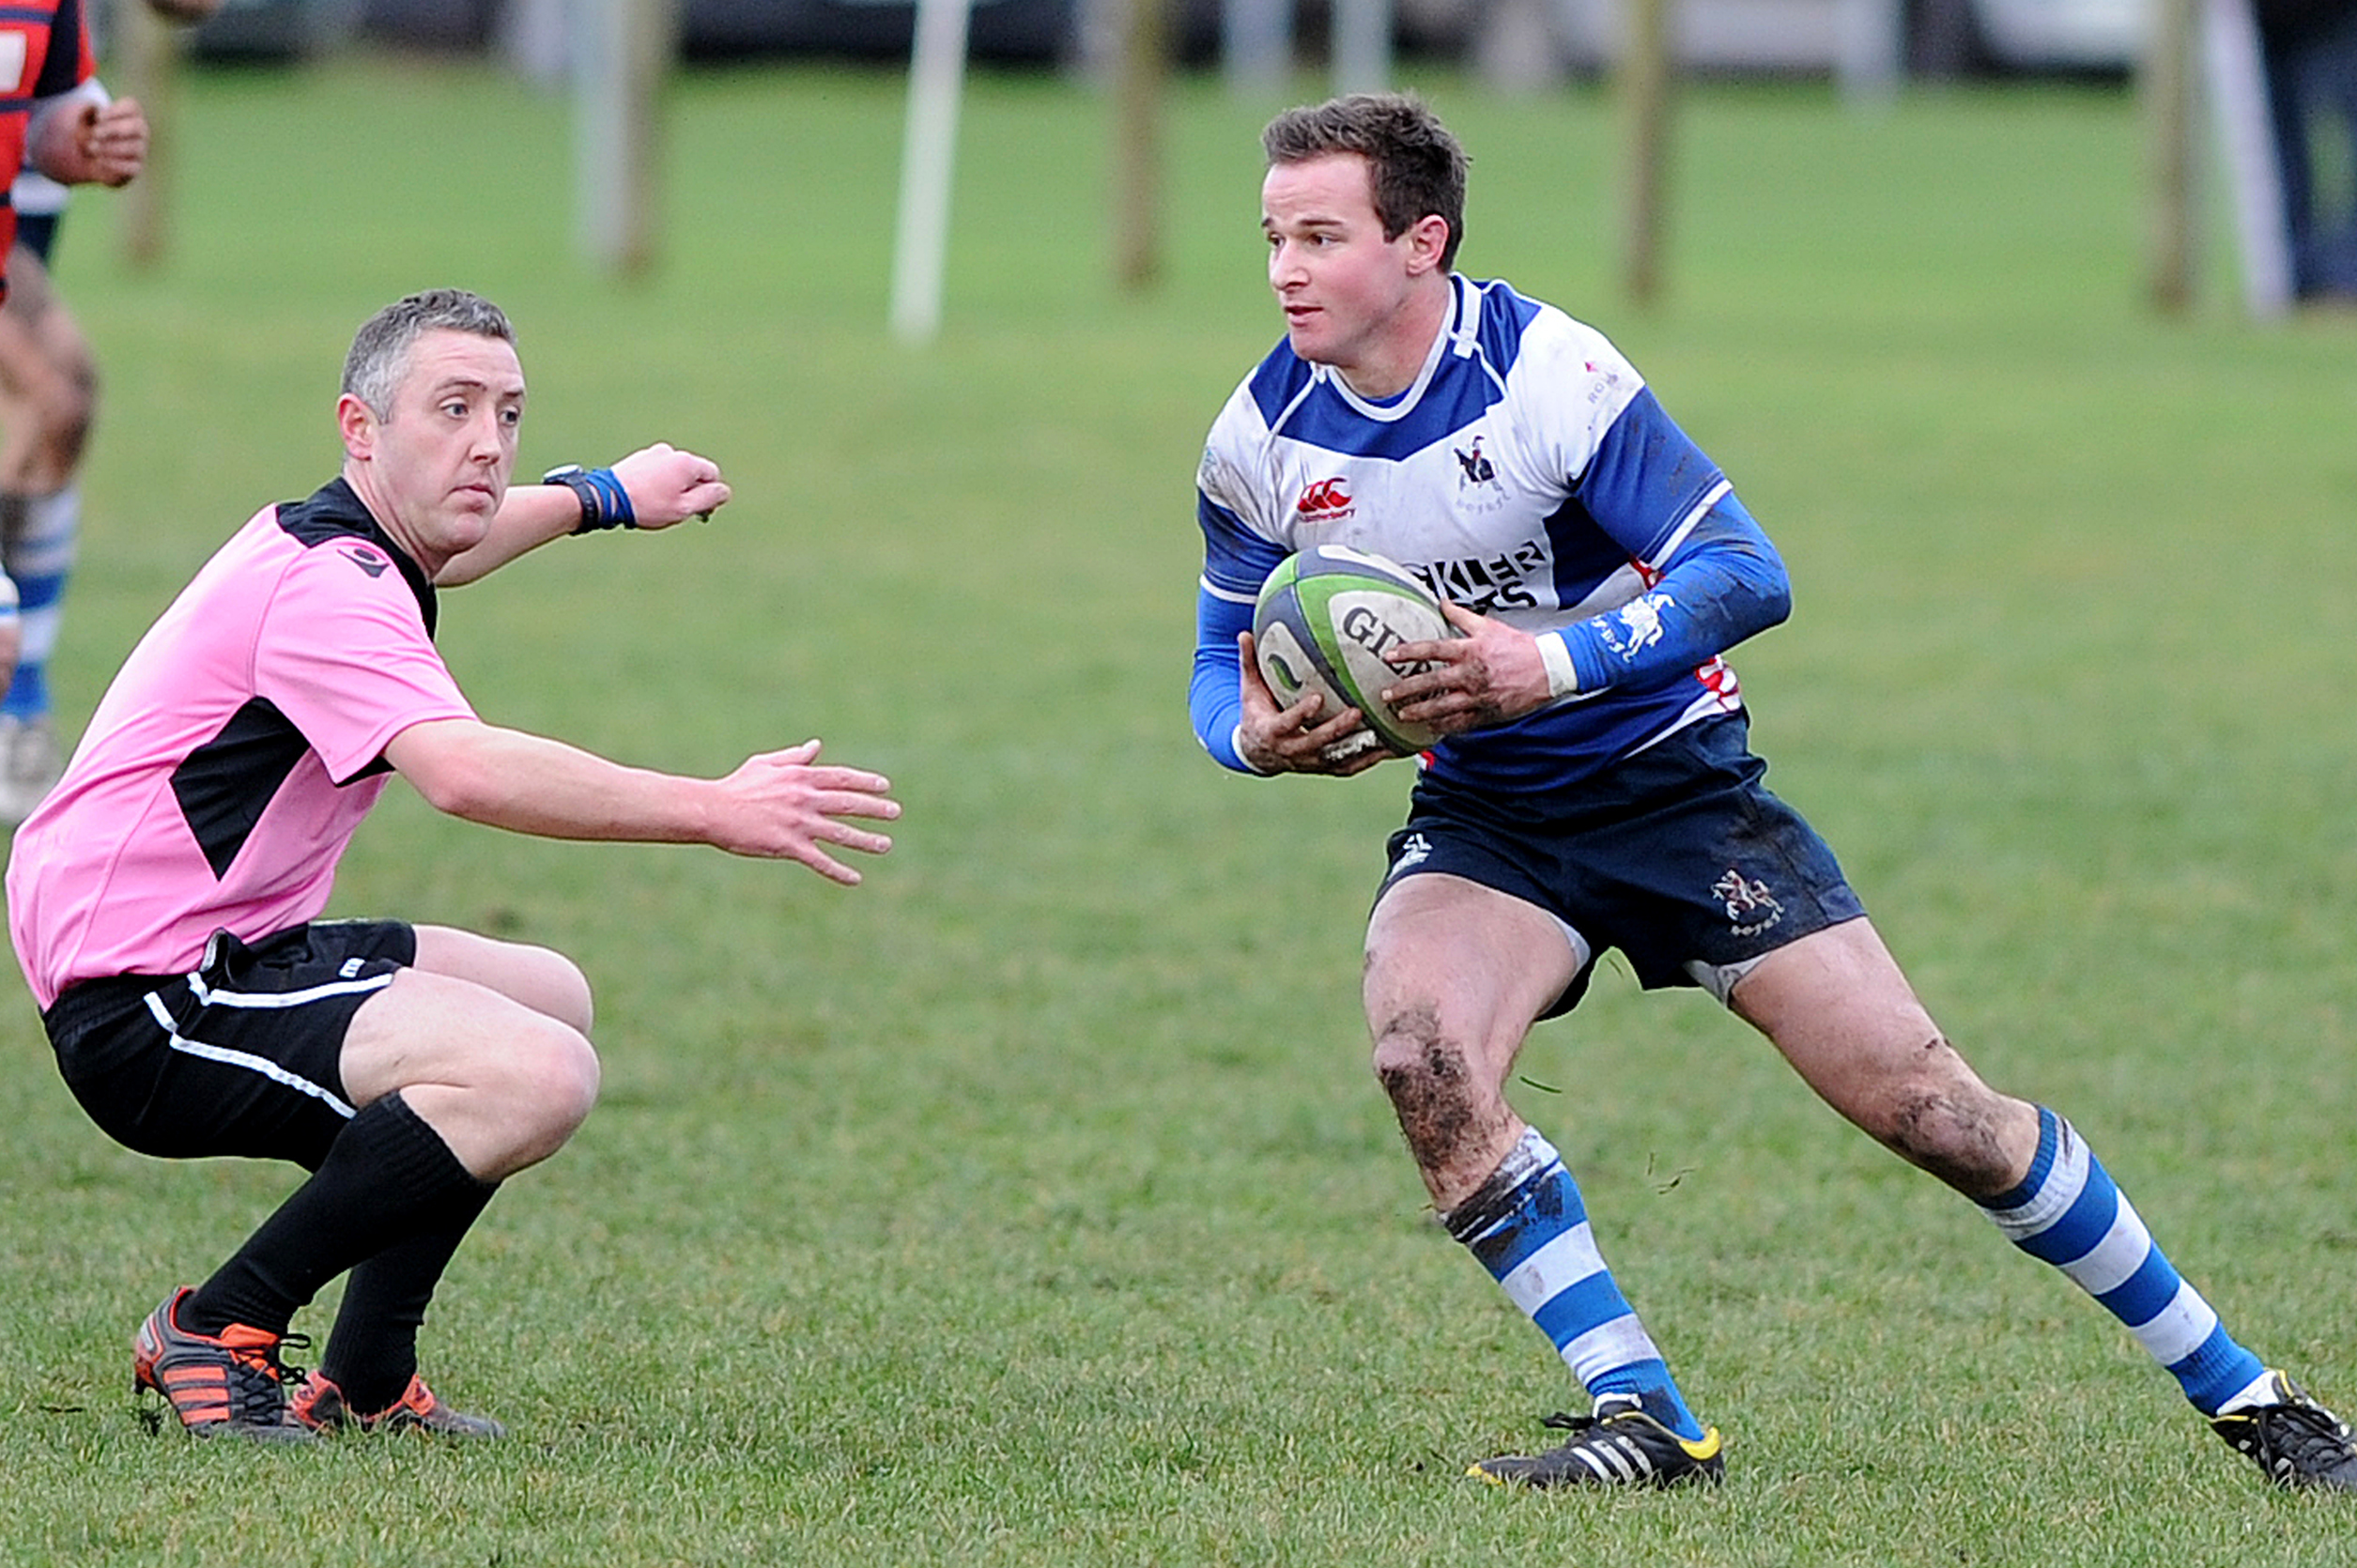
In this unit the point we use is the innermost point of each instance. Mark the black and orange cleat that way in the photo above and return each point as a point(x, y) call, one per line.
point(318, 1404)
point(232, 1384)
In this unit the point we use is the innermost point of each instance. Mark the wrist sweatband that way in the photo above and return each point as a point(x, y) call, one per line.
point(604, 502)
point(1563, 677)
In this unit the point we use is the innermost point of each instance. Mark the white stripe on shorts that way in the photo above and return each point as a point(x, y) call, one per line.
point(212, 998)
point(248, 1061)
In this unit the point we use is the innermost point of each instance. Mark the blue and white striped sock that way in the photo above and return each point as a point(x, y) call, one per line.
point(1529, 1228)
point(2067, 1212)
point(39, 557)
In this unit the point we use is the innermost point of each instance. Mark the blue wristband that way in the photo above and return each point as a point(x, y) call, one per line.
point(604, 502)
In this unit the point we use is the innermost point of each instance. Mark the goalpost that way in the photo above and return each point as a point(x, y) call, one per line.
point(622, 54)
point(929, 154)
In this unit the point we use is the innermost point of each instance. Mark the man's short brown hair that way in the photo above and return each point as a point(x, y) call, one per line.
point(1415, 165)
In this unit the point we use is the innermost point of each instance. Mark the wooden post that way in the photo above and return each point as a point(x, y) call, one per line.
point(149, 48)
point(1141, 74)
point(1645, 86)
point(622, 56)
point(2167, 84)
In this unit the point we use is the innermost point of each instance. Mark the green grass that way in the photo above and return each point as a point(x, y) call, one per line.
point(1031, 1205)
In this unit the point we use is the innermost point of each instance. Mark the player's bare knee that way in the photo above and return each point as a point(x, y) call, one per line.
point(566, 989)
point(1954, 1131)
point(550, 1080)
point(1433, 1089)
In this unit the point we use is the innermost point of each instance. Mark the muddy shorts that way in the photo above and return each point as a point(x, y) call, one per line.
point(1677, 856)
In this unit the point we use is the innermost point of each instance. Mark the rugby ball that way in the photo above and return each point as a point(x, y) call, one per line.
point(1324, 621)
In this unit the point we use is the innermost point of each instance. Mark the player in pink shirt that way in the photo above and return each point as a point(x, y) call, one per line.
point(164, 898)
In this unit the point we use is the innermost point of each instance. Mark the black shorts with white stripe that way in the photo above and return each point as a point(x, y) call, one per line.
point(239, 1057)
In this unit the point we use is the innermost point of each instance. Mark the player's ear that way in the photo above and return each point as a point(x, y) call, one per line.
point(1427, 241)
point(357, 423)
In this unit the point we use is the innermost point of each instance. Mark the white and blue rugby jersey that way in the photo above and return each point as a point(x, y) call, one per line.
point(1527, 474)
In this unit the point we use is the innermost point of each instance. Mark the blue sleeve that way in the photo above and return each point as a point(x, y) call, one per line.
point(1235, 561)
point(1645, 479)
point(1214, 695)
point(1723, 583)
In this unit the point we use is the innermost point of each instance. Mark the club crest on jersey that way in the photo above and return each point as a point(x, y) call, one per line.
point(1639, 624)
point(1324, 500)
point(1750, 907)
point(1477, 486)
point(1476, 468)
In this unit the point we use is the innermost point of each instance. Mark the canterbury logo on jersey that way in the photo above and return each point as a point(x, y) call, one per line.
point(367, 560)
point(1324, 501)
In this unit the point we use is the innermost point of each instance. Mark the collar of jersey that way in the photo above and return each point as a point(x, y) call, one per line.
point(1459, 334)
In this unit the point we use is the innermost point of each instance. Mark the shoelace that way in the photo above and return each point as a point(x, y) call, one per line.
point(1610, 1409)
point(1563, 1420)
point(2300, 1435)
point(259, 1398)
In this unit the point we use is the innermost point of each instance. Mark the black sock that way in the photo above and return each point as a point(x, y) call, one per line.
point(387, 1178)
point(373, 1352)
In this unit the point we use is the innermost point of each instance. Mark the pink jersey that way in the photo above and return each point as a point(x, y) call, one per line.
point(236, 753)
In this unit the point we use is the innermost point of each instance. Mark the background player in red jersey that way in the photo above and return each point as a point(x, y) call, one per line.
point(48, 398)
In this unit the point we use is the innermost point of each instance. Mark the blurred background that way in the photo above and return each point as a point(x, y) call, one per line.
point(1519, 39)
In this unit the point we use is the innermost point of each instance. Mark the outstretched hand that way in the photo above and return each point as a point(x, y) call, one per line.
point(666, 485)
point(781, 806)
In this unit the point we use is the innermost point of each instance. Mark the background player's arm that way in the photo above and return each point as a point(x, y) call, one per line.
point(665, 486)
point(778, 804)
point(83, 138)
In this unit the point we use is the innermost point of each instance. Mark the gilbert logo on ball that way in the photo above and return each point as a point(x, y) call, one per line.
point(1326, 620)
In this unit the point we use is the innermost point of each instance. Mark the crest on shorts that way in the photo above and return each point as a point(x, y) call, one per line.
point(1414, 850)
point(1750, 907)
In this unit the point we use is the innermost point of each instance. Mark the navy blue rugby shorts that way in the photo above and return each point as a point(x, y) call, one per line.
point(242, 1056)
point(1678, 857)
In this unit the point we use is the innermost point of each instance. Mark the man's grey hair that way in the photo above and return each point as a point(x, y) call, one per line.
point(380, 349)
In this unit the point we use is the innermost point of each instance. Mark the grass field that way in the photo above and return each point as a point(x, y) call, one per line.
point(1031, 1205)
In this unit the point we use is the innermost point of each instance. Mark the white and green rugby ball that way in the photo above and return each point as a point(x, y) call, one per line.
point(1325, 620)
